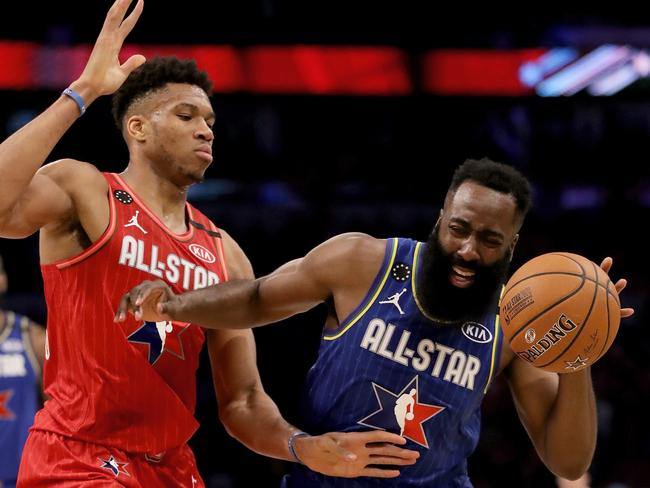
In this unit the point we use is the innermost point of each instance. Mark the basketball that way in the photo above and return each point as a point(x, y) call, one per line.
point(560, 312)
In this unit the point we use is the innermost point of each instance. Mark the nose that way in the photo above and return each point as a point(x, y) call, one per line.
point(468, 250)
point(205, 132)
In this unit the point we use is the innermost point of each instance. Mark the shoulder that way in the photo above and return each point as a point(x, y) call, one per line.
point(74, 175)
point(354, 255)
point(354, 245)
point(70, 167)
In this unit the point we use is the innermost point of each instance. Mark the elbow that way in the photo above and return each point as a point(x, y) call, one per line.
point(228, 421)
point(572, 470)
point(235, 423)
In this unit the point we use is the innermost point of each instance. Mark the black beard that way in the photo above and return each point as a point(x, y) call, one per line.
point(447, 303)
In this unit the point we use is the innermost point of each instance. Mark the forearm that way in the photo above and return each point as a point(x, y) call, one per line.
point(232, 305)
point(570, 434)
point(22, 154)
point(257, 423)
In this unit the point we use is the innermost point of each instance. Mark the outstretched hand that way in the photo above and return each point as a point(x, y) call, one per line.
point(151, 301)
point(103, 73)
point(352, 454)
point(620, 285)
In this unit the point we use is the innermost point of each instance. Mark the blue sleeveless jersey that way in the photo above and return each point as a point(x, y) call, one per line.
point(389, 367)
point(19, 373)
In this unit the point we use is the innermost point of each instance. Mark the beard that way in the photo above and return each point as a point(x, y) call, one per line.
point(447, 303)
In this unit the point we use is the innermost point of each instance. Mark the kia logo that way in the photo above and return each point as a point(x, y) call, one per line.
point(477, 332)
point(202, 253)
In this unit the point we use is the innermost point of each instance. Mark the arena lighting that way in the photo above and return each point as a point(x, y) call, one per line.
point(358, 70)
point(603, 71)
point(295, 69)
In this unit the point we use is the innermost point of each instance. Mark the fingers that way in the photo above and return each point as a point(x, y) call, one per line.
point(381, 436)
point(380, 473)
point(394, 452)
point(123, 308)
point(127, 25)
point(620, 285)
point(626, 312)
point(132, 63)
point(391, 460)
point(606, 264)
point(116, 14)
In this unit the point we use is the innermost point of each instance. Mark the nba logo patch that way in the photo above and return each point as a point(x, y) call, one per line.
point(402, 412)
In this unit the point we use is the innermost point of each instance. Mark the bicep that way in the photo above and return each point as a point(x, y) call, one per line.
point(292, 288)
point(534, 392)
point(301, 284)
point(43, 202)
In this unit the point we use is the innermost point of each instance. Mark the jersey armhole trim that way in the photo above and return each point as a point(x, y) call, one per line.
point(221, 251)
point(496, 356)
point(372, 295)
point(99, 243)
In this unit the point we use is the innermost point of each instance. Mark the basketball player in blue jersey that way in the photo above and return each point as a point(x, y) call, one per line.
point(412, 341)
point(22, 350)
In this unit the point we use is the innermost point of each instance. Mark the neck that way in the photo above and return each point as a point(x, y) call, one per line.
point(162, 196)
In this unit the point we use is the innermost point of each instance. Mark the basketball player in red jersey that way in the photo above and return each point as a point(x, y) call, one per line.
point(123, 395)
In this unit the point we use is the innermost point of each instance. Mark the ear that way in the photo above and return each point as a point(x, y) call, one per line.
point(3, 283)
point(136, 128)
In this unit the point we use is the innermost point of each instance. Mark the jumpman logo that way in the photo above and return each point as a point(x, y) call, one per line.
point(134, 222)
point(395, 300)
point(194, 481)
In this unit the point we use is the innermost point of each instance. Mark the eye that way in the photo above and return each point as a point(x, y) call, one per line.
point(457, 230)
point(185, 117)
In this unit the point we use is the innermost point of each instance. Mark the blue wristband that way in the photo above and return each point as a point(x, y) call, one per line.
point(292, 439)
point(69, 92)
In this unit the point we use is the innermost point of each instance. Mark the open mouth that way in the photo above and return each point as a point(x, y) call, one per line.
point(461, 277)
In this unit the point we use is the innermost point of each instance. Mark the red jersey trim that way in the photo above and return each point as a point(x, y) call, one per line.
point(220, 250)
point(180, 237)
point(95, 246)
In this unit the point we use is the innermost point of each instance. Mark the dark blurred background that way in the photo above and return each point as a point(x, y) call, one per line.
point(303, 154)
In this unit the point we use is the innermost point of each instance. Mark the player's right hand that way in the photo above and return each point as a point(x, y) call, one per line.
point(147, 301)
point(103, 73)
point(352, 454)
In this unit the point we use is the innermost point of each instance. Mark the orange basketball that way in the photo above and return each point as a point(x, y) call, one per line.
point(560, 312)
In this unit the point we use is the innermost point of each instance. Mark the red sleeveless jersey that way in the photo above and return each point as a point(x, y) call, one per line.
point(129, 385)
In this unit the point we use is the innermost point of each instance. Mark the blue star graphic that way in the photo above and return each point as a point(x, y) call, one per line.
point(148, 334)
point(114, 466)
point(384, 418)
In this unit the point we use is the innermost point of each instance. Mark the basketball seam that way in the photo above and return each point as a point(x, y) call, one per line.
point(582, 283)
point(565, 273)
point(579, 331)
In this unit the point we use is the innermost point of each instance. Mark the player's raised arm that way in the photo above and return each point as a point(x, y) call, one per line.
point(24, 152)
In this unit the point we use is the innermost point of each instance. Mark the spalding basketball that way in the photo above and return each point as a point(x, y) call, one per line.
point(560, 312)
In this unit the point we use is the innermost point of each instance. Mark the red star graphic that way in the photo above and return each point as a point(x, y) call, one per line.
point(5, 413)
point(173, 342)
point(112, 464)
point(421, 413)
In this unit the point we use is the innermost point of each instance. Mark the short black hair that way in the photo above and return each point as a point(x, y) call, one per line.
point(154, 75)
point(497, 176)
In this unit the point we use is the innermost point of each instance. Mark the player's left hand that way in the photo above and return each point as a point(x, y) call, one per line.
point(620, 285)
point(352, 454)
